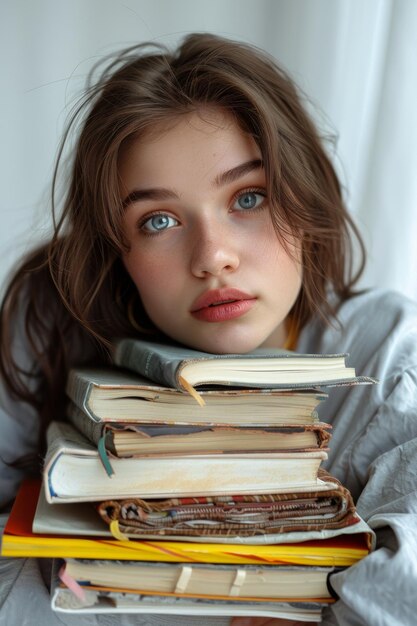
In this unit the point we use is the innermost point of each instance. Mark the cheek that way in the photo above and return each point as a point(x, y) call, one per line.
point(284, 263)
point(152, 275)
point(276, 253)
point(292, 268)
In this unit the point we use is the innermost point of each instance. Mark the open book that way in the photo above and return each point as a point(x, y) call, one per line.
point(180, 367)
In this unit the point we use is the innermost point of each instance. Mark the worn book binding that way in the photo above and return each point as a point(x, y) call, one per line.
point(113, 395)
point(125, 439)
point(172, 365)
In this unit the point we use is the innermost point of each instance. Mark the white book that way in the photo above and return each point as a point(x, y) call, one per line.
point(64, 601)
point(73, 472)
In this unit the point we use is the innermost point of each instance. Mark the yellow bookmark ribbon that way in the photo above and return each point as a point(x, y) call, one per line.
point(116, 532)
point(188, 387)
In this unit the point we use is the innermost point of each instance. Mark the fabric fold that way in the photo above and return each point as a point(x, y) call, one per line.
point(239, 515)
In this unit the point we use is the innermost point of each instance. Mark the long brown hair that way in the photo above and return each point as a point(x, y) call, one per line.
point(75, 289)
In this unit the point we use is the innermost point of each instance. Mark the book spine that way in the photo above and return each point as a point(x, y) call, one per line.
point(146, 361)
point(323, 438)
point(78, 389)
point(82, 421)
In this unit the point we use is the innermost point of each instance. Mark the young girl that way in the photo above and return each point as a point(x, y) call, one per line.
point(203, 207)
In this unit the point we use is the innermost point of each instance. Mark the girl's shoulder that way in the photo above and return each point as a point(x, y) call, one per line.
point(374, 326)
point(388, 303)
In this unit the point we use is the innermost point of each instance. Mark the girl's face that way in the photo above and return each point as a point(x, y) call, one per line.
point(204, 255)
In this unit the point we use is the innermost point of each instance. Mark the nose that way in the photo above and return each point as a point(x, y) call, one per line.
point(214, 251)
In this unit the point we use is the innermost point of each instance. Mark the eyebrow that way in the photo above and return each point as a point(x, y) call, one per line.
point(225, 178)
point(158, 193)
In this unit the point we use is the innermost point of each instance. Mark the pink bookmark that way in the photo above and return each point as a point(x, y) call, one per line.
point(71, 583)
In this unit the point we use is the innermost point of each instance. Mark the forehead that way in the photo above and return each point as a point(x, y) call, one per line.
point(204, 119)
point(203, 142)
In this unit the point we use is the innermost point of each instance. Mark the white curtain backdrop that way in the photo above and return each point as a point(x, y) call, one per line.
point(356, 59)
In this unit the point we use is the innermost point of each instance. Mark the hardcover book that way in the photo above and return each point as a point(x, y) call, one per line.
point(181, 368)
point(112, 395)
point(74, 472)
point(202, 580)
point(126, 439)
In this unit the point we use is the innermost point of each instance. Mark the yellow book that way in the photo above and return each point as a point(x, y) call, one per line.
point(19, 541)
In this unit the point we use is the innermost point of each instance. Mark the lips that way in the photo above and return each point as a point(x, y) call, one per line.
point(219, 305)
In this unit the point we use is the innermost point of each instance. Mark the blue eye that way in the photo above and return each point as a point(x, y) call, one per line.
point(249, 200)
point(158, 223)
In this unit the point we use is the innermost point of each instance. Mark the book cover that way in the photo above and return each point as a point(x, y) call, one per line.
point(180, 367)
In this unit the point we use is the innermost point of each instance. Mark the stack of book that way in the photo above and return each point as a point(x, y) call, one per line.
point(193, 486)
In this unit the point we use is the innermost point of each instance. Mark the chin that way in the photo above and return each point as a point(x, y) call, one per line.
point(222, 345)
